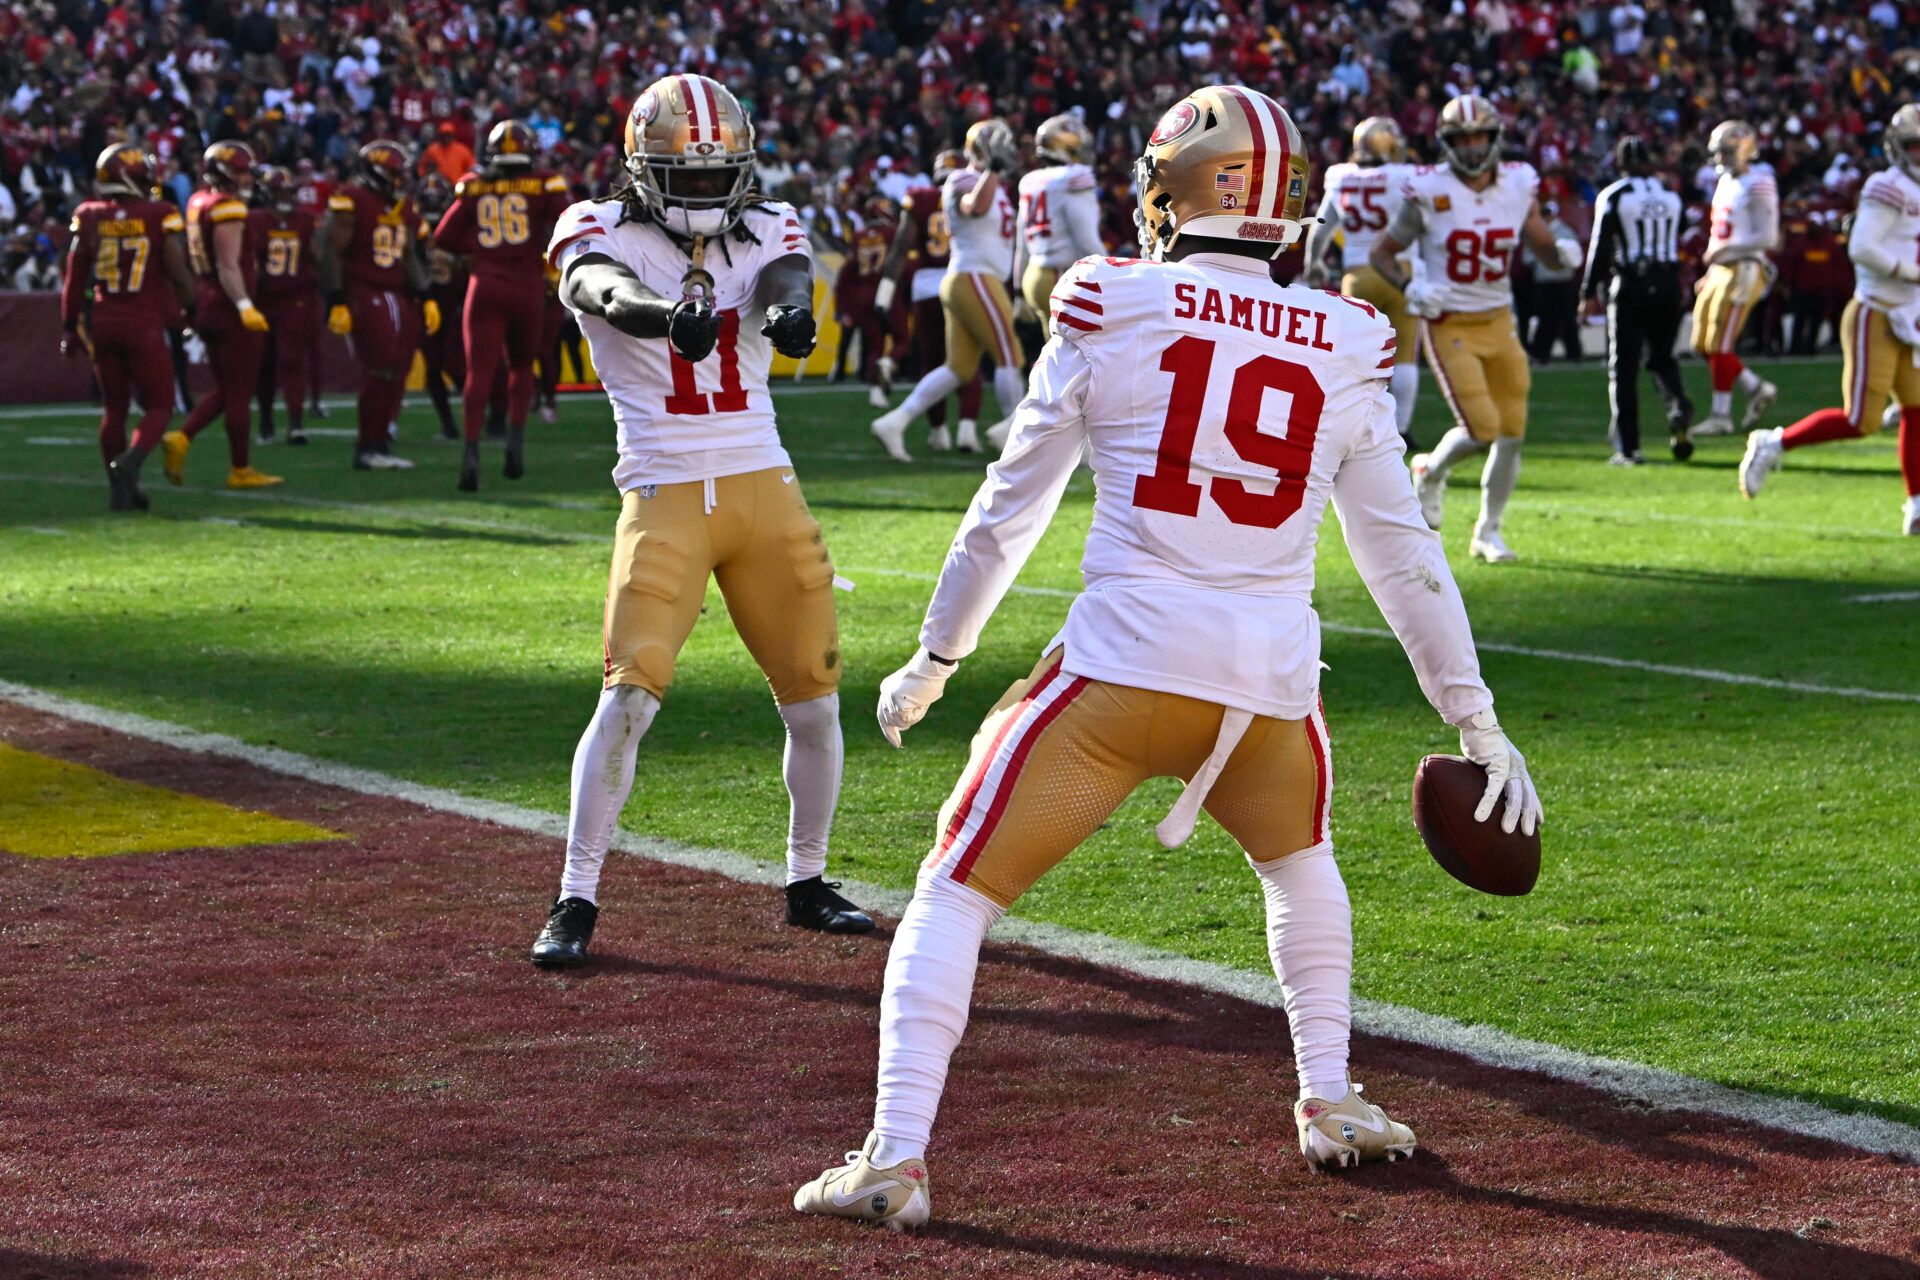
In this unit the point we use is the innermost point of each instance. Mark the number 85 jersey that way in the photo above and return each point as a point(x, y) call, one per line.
point(1220, 408)
point(679, 421)
point(1465, 238)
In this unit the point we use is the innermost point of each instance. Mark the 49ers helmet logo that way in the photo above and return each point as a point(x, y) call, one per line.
point(647, 107)
point(1176, 122)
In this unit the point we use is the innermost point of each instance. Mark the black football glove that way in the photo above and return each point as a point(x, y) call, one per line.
point(791, 329)
point(692, 330)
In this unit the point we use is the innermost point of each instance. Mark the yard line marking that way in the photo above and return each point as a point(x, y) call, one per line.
point(1528, 651)
point(1884, 597)
point(47, 530)
point(1653, 1086)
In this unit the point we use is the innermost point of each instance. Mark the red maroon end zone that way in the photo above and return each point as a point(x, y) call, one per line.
point(333, 1060)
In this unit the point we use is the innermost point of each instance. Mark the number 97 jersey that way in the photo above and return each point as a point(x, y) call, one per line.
point(1465, 238)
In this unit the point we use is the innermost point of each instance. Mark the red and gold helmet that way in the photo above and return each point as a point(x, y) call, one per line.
point(383, 167)
point(990, 140)
point(435, 194)
point(690, 155)
point(511, 144)
point(1903, 140)
point(1225, 162)
point(1378, 140)
point(1471, 116)
point(124, 170)
point(878, 208)
point(228, 166)
point(1733, 144)
point(273, 188)
point(1064, 139)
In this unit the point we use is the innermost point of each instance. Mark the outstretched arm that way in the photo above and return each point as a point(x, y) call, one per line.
point(785, 291)
point(594, 284)
point(1320, 239)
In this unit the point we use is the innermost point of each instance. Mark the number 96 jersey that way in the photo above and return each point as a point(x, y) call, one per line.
point(679, 421)
point(1465, 238)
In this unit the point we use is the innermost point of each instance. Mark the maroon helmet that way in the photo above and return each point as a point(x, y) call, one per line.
point(274, 188)
point(228, 166)
point(124, 170)
point(511, 144)
point(383, 167)
point(435, 194)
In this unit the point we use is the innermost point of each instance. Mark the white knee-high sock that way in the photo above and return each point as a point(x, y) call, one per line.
point(1009, 388)
point(929, 391)
point(1406, 389)
point(1748, 382)
point(602, 776)
point(923, 1009)
point(814, 756)
point(1455, 445)
point(1310, 937)
point(1497, 479)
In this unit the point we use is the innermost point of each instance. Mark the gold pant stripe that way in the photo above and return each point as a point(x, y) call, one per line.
point(979, 322)
point(1723, 303)
point(1875, 365)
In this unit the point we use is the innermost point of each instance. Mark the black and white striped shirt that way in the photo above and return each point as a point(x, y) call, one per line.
point(1636, 221)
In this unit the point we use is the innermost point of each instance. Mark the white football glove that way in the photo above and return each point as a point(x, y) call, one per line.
point(1420, 299)
point(907, 693)
point(883, 295)
point(1572, 254)
point(1482, 742)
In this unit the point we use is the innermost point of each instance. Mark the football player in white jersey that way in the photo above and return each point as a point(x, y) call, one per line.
point(1465, 219)
point(1362, 195)
point(973, 296)
point(1745, 228)
point(1059, 212)
point(1879, 330)
point(685, 283)
point(1224, 412)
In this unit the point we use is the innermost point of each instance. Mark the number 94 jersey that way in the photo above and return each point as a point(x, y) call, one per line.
point(679, 421)
point(1465, 238)
point(376, 256)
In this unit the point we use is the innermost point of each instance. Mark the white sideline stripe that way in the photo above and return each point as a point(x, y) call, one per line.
point(1654, 1086)
point(1526, 651)
point(1884, 597)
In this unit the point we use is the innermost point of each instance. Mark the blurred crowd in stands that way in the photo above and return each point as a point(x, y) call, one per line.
point(857, 96)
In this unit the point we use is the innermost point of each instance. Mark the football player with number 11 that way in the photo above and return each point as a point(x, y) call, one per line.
point(1223, 413)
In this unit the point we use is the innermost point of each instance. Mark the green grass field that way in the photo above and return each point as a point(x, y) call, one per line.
point(1730, 887)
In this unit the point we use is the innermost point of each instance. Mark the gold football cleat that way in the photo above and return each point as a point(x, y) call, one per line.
point(248, 478)
point(173, 455)
point(1349, 1132)
point(897, 1196)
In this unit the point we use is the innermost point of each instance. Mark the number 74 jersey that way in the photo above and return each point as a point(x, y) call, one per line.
point(1467, 238)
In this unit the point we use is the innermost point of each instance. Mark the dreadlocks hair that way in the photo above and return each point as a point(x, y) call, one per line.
point(633, 209)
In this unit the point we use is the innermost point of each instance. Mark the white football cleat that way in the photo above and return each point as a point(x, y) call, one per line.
point(897, 1196)
point(890, 429)
point(939, 439)
point(1429, 488)
point(1340, 1135)
point(1763, 458)
point(1488, 545)
point(373, 461)
point(877, 396)
point(1718, 424)
point(969, 439)
point(1910, 517)
point(1758, 404)
point(885, 367)
point(1890, 420)
point(997, 434)
point(549, 414)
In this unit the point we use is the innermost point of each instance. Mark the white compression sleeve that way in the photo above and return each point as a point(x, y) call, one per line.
point(1497, 479)
point(812, 769)
point(1310, 938)
point(1455, 445)
point(929, 391)
point(602, 777)
point(1406, 388)
point(923, 1009)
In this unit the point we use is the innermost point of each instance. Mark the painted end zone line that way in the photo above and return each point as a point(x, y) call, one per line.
point(1653, 1086)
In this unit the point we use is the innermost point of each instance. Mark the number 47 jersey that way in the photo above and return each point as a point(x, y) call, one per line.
point(1223, 412)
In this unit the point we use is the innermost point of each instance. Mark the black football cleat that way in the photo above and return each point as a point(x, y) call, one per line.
point(813, 904)
point(516, 464)
point(563, 943)
point(470, 469)
point(296, 435)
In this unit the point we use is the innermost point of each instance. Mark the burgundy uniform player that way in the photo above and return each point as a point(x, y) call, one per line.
point(289, 290)
point(854, 291)
point(126, 278)
point(375, 279)
point(443, 352)
point(502, 216)
point(919, 251)
point(222, 250)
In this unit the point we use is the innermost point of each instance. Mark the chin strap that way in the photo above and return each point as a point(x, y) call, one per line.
point(698, 284)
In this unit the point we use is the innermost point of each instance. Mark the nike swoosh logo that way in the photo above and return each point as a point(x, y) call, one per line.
point(786, 479)
point(1377, 1126)
point(842, 1201)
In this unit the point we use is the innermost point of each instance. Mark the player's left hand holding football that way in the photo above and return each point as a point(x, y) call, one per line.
point(791, 330)
point(907, 693)
point(1482, 742)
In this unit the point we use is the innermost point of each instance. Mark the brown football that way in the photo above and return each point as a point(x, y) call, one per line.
point(1446, 791)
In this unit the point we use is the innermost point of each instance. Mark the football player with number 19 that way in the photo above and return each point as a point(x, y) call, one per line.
point(1224, 412)
point(685, 283)
point(1465, 219)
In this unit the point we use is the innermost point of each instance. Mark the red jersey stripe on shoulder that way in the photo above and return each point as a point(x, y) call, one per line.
point(1091, 286)
point(1085, 304)
point(1073, 321)
point(1354, 302)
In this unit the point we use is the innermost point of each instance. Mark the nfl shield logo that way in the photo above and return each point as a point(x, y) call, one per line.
point(648, 490)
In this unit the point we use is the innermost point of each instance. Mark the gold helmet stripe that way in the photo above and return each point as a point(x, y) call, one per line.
point(1262, 196)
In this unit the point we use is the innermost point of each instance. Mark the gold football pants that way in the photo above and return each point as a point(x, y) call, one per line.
point(1477, 359)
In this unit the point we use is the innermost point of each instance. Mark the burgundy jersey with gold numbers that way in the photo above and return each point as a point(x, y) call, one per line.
point(502, 223)
point(118, 268)
point(207, 209)
point(286, 253)
point(383, 230)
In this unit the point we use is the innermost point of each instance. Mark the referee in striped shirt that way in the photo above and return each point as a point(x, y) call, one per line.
point(1634, 257)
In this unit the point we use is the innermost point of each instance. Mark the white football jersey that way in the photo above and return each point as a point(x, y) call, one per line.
point(1060, 214)
point(981, 244)
point(1746, 213)
point(1896, 198)
point(1467, 238)
point(679, 421)
point(1367, 197)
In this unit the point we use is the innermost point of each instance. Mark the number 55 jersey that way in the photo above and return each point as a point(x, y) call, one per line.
point(1223, 412)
